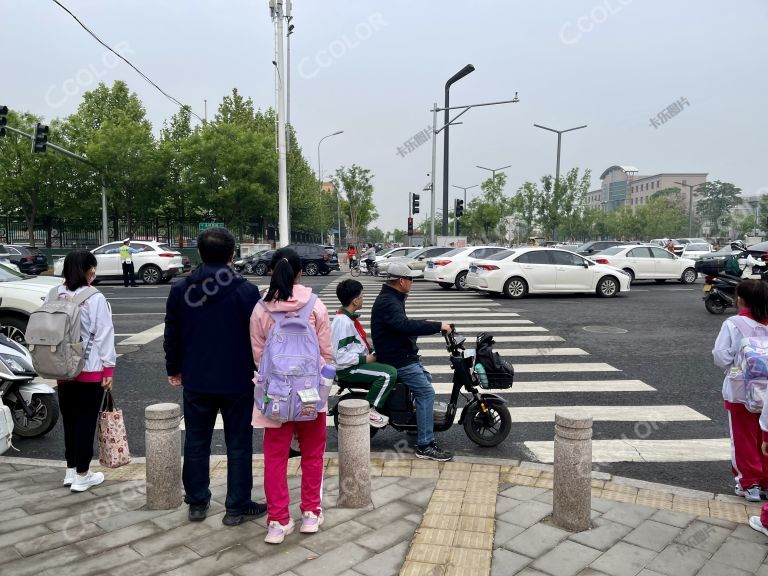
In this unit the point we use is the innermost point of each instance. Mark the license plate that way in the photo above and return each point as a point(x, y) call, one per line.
point(473, 269)
point(39, 258)
point(707, 287)
point(430, 265)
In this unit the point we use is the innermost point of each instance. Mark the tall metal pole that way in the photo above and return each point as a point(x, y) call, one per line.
point(455, 78)
point(104, 227)
point(432, 238)
point(282, 168)
point(320, 178)
point(690, 207)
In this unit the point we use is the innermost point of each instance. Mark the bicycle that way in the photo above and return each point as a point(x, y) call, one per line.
point(362, 268)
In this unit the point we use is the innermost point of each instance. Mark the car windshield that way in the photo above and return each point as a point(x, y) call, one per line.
point(8, 275)
point(697, 248)
point(504, 254)
point(453, 252)
point(584, 247)
point(34, 250)
point(165, 248)
point(612, 250)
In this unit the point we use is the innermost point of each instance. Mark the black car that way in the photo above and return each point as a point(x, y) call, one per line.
point(258, 263)
point(29, 259)
point(315, 259)
point(596, 246)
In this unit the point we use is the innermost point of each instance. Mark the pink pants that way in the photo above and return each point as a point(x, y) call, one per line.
point(277, 443)
point(749, 465)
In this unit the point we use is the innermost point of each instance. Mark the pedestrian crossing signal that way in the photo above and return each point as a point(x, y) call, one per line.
point(410, 226)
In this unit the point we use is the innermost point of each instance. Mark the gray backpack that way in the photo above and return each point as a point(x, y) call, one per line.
point(53, 336)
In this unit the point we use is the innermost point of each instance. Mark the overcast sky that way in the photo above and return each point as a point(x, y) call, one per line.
point(373, 69)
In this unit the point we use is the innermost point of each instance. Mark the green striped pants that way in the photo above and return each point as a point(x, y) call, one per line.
point(380, 377)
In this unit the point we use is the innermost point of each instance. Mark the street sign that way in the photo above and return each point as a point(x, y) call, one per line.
point(205, 225)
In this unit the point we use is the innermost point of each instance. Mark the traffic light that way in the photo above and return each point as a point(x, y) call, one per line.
point(458, 227)
point(414, 204)
point(40, 142)
point(459, 210)
point(410, 226)
point(3, 120)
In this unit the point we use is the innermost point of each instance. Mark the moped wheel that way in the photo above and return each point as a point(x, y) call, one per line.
point(354, 271)
point(46, 414)
point(374, 431)
point(715, 305)
point(488, 428)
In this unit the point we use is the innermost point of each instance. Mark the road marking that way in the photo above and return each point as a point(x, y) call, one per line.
point(561, 386)
point(554, 367)
point(545, 351)
point(139, 298)
point(482, 321)
point(144, 337)
point(662, 413)
point(498, 339)
point(469, 315)
point(135, 313)
point(631, 450)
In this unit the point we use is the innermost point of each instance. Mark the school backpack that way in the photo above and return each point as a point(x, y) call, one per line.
point(751, 363)
point(500, 373)
point(288, 383)
point(53, 336)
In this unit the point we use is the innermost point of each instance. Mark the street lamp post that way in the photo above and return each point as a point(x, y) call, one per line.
point(465, 188)
point(557, 166)
point(690, 206)
point(320, 178)
point(468, 69)
point(494, 170)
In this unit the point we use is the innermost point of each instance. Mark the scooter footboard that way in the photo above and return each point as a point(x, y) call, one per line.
point(489, 399)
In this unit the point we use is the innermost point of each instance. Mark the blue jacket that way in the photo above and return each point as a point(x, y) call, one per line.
point(207, 337)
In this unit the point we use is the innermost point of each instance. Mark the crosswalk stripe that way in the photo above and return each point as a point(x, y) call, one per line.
point(554, 367)
point(490, 315)
point(661, 413)
point(633, 450)
point(561, 386)
point(466, 321)
point(498, 339)
point(539, 351)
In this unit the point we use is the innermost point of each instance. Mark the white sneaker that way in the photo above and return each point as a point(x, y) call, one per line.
point(277, 532)
point(755, 524)
point(82, 483)
point(311, 523)
point(69, 476)
point(377, 420)
point(752, 494)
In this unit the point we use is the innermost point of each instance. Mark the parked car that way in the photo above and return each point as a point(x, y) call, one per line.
point(20, 295)
point(451, 268)
point(649, 262)
point(696, 251)
point(5, 259)
point(154, 263)
point(521, 271)
point(415, 261)
point(594, 246)
point(29, 259)
point(333, 263)
point(314, 259)
point(248, 264)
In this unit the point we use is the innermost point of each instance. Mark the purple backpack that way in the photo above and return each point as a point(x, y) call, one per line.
point(288, 385)
point(751, 363)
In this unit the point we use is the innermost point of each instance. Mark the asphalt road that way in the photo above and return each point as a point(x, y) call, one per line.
point(664, 339)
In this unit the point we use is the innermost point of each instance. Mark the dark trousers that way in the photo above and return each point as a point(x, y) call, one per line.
point(200, 410)
point(129, 274)
point(79, 403)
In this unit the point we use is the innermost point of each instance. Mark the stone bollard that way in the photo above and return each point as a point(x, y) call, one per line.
point(572, 499)
point(354, 454)
point(163, 450)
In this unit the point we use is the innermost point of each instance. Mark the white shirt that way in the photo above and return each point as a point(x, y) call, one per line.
point(724, 353)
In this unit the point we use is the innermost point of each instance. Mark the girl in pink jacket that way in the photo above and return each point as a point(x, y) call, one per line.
point(285, 294)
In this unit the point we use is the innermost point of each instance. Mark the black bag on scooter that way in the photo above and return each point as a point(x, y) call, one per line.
point(500, 373)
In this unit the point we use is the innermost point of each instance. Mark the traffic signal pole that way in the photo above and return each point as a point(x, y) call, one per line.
point(104, 228)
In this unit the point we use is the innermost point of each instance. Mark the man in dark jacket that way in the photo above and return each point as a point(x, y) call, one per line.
point(394, 337)
point(208, 352)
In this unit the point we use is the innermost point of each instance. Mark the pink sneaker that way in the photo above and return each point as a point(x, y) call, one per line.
point(277, 532)
point(311, 523)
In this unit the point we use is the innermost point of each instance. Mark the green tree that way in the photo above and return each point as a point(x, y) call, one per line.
point(525, 206)
point(716, 200)
point(560, 201)
point(662, 217)
point(358, 207)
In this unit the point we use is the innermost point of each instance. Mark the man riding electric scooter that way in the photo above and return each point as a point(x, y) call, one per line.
point(394, 337)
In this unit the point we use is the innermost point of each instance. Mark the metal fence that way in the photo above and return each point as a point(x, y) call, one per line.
point(71, 234)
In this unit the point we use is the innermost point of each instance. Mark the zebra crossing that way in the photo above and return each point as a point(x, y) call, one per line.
point(539, 359)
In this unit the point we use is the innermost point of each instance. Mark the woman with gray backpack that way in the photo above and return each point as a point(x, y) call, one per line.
point(85, 356)
point(291, 341)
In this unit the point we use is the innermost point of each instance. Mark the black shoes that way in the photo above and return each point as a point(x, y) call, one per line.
point(198, 512)
point(433, 452)
point(254, 510)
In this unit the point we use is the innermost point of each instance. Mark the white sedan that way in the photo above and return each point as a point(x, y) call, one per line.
point(648, 263)
point(154, 263)
point(20, 295)
point(451, 268)
point(696, 251)
point(522, 271)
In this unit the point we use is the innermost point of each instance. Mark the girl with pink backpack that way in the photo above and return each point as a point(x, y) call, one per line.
point(286, 296)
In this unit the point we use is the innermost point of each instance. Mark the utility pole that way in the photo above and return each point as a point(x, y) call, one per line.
point(690, 206)
point(278, 15)
point(432, 238)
